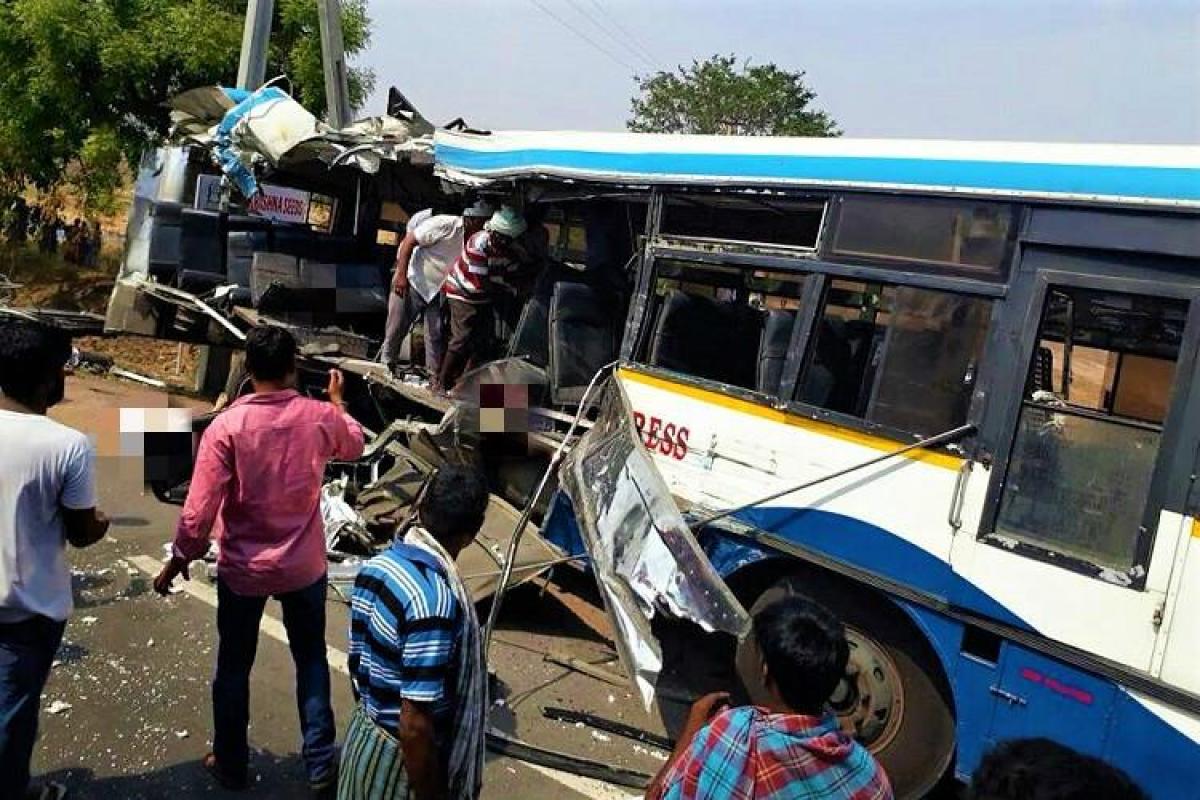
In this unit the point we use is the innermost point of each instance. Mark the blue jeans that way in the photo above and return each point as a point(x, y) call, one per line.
point(238, 617)
point(26, 652)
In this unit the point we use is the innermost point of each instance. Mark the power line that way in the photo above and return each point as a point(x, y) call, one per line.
point(632, 69)
point(634, 40)
point(599, 25)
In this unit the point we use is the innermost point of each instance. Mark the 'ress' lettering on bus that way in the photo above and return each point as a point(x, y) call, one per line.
point(667, 439)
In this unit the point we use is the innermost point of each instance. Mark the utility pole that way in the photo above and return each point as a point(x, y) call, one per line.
point(256, 35)
point(333, 59)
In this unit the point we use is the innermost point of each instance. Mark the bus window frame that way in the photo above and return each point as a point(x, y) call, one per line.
point(800, 355)
point(818, 272)
point(632, 352)
point(999, 276)
point(1120, 273)
point(808, 200)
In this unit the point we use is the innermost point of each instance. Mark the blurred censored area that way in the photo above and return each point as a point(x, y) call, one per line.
point(505, 396)
point(162, 438)
point(504, 407)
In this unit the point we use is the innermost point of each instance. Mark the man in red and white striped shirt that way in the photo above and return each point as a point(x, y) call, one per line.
point(487, 258)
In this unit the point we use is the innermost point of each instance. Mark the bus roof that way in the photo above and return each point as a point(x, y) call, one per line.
point(1162, 175)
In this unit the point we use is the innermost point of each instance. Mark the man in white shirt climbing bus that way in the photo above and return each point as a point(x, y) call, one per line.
point(47, 498)
point(431, 244)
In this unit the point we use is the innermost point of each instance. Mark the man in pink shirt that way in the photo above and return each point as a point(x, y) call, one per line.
point(256, 488)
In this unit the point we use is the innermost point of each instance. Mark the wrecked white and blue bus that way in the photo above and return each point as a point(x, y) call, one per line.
point(944, 388)
point(1027, 314)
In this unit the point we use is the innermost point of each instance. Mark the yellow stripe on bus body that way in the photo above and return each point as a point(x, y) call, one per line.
point(739, 405)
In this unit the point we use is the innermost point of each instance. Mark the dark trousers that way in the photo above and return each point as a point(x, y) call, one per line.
point(470, 337)
point(26, 652)
point(238, 618)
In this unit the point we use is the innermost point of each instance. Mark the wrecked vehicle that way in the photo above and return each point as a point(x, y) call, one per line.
point(908, 379)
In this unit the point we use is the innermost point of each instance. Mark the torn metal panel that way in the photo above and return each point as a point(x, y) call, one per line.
point(142, 306)
point(643, 554)
point(245, 130)
point(77, 323)
point(342, 347)
point(482, 562)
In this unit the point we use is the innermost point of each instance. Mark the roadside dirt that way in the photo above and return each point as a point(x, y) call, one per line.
point(48, 281)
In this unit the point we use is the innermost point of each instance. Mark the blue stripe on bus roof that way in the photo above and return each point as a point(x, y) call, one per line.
point(1178, 184)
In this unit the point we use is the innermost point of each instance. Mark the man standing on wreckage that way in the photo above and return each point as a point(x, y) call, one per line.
point(430, 246)
point(257, 485)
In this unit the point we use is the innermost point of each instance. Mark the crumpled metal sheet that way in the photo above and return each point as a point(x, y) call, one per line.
point(644, 556)
point(243, 128)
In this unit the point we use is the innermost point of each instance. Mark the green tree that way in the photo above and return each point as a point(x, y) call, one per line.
point(82, 84)
point(717, 96)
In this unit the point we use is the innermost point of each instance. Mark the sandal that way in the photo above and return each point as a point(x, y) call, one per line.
point(224, 779)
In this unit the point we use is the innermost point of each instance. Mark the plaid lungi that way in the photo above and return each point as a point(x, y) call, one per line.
point(372, 763)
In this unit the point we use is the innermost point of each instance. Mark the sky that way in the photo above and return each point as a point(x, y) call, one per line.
point(1035, 70)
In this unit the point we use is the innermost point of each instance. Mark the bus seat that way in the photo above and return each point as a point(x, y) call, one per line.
point(316, 274)
point(582, 339)
point(240, 247)
point(706, 338)
point(822, 382)
point(867, 358)
point(362, 288)
point(531, 336)
point(295, 240)
point(334, 248)
point(163, 262)
point(272, 269)
point(202, 241)
point(773, 348)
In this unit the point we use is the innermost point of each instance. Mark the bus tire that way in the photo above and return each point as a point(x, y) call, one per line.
point(895, 689)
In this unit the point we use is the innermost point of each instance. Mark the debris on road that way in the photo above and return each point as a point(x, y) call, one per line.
point(58, 707)
point(592, 670)
point(133, 376)
point(582, 718)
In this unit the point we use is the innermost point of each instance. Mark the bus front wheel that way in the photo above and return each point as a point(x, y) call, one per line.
point(893, 698)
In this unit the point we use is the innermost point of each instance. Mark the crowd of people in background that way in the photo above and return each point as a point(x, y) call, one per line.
point(79, 241)
point(418, 668)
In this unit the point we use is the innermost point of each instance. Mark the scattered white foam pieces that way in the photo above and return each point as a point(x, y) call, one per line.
point(58, 707)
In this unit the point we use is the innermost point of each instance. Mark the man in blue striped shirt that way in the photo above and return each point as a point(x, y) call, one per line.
point(415, 660)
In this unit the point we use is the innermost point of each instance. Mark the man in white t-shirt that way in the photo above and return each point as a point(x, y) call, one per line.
point(431, 244)
point(47, 498)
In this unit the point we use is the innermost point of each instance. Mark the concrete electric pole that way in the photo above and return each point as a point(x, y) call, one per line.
point(256, 36)
point(333, 57)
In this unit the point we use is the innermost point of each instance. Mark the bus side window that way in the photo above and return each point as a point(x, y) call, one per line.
point(897, 356)
point(723, 323)
point(1090, 424)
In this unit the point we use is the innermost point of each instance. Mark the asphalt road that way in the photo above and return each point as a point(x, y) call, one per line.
point(126, 713)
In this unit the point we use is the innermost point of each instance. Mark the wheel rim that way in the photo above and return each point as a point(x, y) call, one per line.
point(869, 702)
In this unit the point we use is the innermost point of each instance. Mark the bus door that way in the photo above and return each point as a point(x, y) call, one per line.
point(1092, 449)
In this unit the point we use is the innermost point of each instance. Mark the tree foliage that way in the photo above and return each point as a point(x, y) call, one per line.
point(719, 96)
point(83, 82)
